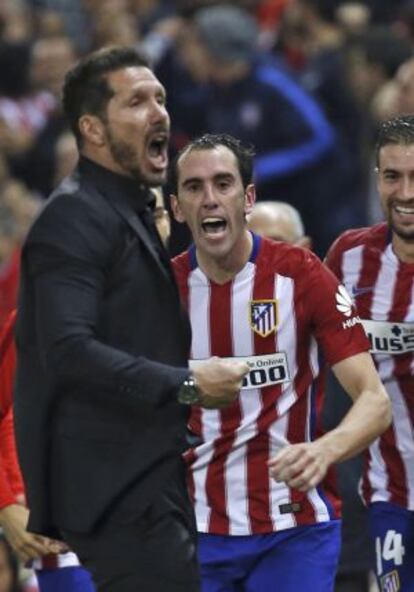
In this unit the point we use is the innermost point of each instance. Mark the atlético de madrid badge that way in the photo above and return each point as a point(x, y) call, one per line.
point(263, 316)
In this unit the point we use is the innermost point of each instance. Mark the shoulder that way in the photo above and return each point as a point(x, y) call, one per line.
point(370, 236)
point(285, 259)
point(73, 220)
point(181, 266)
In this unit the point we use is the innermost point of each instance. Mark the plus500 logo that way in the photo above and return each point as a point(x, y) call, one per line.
point(391, 345)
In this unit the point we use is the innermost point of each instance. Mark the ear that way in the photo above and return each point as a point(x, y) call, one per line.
point(175, 208)
point(377, 179)
point(249, 198)
point(92, 129)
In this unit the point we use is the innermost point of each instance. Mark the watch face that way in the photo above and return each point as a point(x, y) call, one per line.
point(188, 394)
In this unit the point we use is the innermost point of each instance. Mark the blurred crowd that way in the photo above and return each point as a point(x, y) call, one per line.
point(305, 81)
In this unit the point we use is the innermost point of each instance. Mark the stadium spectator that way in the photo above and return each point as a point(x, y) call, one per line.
point(217, 73)
point(279, 221)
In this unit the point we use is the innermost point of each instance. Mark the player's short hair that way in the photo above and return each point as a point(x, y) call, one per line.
point(399, 130)
point(86, 88)
point(244, 156)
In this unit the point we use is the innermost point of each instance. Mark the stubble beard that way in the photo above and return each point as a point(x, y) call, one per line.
point(405, 234)
point(125, 156)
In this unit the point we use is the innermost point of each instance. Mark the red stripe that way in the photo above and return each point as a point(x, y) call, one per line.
point(397, 484)
point(50, 562)
point(258, 449)
point(7, 334)
point(298, 415)
point(395, 465)
point(7, 363)
point(296, 433)
point(221, 345)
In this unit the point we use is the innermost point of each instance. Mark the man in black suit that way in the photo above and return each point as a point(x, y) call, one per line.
point(103, 386)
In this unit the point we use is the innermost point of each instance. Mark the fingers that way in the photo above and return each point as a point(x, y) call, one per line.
point(298, 466)
point(31, 547)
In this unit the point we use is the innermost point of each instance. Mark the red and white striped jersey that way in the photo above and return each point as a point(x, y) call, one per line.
point(383, 290)
point(276, 312)
point(68, 559)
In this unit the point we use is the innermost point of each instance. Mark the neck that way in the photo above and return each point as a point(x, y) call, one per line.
point(403, 249)
point(223, 269)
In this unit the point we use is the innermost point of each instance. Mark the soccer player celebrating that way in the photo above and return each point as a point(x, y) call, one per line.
point(377, 266)
point(256, 468)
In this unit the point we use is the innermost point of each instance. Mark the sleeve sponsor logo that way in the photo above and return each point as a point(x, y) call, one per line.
point(345, 305)
point(343, 301)
point(389, 338)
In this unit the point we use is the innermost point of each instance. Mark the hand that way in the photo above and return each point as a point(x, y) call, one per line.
point(300, 466)
point(220, 381)
point(27, 545)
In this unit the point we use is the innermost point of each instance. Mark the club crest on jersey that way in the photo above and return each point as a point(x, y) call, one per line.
point(263, 316)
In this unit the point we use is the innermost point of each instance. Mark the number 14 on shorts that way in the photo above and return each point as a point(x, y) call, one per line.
point(392, 549)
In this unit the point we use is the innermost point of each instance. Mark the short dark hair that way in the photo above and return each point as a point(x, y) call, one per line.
point(399, 130)
point(86, 88)
point(244, 155)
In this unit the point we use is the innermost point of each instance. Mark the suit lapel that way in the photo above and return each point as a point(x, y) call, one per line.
point(132, 219)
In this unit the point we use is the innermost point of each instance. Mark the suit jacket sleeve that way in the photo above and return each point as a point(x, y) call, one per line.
point(67, 254)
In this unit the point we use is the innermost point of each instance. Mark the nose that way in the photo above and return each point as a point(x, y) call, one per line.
point(209, 197)
point(407, 188)
point(159, 112)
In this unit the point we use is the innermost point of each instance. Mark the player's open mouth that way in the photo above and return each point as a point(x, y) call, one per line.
point(157, 149)
point(213, 225)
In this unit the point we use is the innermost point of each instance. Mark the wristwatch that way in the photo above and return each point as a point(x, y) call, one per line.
point(189, 393)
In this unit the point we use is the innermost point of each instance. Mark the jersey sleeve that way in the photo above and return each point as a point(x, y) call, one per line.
point(336, 324)
point(11, 483)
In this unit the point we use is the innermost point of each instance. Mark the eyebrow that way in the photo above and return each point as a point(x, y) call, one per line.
point(216, 177)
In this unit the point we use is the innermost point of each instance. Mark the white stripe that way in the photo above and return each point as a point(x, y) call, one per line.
point(351, 267)
point(286, 338)
point(250, 405)
point(404, 437)
point(377, 474)
point(198, 308)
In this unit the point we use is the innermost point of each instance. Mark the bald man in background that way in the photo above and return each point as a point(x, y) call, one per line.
point(278, 220)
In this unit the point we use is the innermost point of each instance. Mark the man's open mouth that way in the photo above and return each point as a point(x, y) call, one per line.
point(158, 148)
point(213, 225)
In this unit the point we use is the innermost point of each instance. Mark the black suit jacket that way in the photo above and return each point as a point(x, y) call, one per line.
point(102, 349)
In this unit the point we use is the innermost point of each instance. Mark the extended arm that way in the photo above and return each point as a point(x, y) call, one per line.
point(302, 466)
